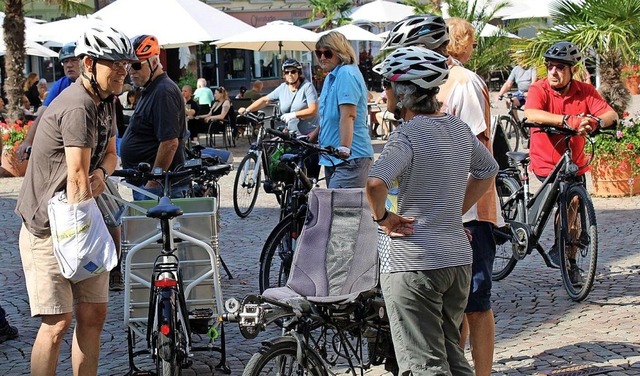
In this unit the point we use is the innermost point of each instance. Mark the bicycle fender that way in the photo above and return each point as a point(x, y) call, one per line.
point(293, 338)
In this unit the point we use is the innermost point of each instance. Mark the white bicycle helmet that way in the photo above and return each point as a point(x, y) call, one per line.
point(292, 63)
point(423, 67)
point(426, 29)
point(106, 43)
point(564, 52)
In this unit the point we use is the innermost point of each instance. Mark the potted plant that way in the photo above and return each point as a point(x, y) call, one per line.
point(616, 160)
point(631, 77)
point(13, 133)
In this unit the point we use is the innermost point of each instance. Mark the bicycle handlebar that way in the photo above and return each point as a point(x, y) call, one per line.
point(144, 171)
point(258, 117)
point(330, 150)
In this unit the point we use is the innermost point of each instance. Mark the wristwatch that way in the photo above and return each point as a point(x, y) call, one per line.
point(104, 171)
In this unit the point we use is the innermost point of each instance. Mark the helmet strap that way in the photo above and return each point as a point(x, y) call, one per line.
point(94, 83)
point(151, 74)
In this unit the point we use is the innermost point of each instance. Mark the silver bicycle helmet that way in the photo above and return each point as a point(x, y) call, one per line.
point(292, 63)
point(67, 51)
point(564, 52)
point(426, 29)
point(106, 43)
point(423, 67)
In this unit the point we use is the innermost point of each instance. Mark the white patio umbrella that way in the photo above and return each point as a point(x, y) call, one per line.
point(381, 12)
point(353, 32)
point(274, 36)
point(30, 48)
point(491, 30)
point(58, 33)
point(175, 23)
point(533, 9)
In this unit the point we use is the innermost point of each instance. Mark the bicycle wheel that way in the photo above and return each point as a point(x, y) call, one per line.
point(578, 243)
point(511, 131)
point(280, 358)
point(245, 187)
point(512, 209)
point(167, 357)
point(277, 253)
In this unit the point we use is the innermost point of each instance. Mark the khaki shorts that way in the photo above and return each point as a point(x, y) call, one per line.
point(49, 292)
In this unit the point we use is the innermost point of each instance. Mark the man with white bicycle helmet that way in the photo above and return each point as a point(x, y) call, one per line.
point(425, 278)
point(75, 151)
point(562, 101)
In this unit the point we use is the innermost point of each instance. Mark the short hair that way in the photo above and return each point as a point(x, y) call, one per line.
point(201, 83)
point(461, 36)
point(415, 98)
point(256, 84)
point(339, 45)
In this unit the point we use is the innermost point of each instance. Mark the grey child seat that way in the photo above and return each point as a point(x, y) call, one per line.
point(336, 260)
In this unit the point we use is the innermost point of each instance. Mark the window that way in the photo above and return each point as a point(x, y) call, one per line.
point(233, 62)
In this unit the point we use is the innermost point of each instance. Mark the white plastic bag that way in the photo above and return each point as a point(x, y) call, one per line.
point(81, 242)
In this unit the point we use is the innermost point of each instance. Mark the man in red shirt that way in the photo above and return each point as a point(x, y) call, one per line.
point(564, 102)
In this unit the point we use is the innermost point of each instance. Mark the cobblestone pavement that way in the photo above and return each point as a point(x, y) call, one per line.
point(539, 331)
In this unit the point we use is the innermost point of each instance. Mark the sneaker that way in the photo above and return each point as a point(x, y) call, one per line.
point(8, 332)
point(554, 256)
point(116, 282)
point(575, 274)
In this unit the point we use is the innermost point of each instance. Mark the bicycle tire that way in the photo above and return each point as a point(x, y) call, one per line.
point(280, 357)
point(245, 192)
point(511, 130)
point(512, 210)
point(583, 234)
point(166, 346)
point(277, 253)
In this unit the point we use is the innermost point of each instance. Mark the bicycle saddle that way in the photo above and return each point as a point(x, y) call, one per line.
point(164, 210)
point(518, 156)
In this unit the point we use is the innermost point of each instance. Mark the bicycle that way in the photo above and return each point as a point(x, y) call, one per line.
point(277, 252)
point(248, 178)
point(327, 315)
point(512, 125)
point(527, 214)
point(170, 324)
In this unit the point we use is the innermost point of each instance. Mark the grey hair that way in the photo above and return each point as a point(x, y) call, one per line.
point(418, 100)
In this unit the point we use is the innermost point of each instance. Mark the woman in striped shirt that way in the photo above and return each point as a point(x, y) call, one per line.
point(442, 170)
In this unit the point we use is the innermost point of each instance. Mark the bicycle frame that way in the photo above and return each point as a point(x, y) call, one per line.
point(539, 206)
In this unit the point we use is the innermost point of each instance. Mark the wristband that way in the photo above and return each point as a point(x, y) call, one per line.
point(381, 219)
point(104, 171)
point(344, 149)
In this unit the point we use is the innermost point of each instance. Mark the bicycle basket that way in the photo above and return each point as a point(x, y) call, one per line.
point(278, 170)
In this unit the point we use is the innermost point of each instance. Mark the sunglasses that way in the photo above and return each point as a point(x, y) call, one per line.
point(290, 72)
point(327, 54)
point(138, 65)
point(220, 89)
point(558, 67)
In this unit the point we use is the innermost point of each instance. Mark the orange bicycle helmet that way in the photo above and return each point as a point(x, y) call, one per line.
point(146, 46)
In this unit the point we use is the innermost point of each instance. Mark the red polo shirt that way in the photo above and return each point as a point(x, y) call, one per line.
point(545, 150)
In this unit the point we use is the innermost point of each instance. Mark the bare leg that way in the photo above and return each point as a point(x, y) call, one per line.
point(482, 339)
point(85, 354)
point(46, 348)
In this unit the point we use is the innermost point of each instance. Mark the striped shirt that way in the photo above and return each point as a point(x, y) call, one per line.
point(432, 157)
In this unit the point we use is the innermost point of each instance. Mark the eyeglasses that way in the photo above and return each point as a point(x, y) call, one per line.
point(138, 65)
point(117, 65)
point(327, 53)
point(70, 60)
point(290, 72)
point(558, 67)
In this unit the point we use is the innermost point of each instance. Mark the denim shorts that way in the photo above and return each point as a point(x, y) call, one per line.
point(484, 252)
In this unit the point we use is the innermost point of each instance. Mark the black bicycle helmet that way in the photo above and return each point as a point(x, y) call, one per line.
point(292, 63)
point(67, 51)
point(564, 52)
point(422, 67)
point(426, 29)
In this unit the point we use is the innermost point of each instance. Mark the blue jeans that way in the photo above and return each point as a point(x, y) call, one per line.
point(177, 191)
point(349, 174)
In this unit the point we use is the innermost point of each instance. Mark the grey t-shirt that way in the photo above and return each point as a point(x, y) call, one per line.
point(71, 120)
point(296, 101)
point(522, 77)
